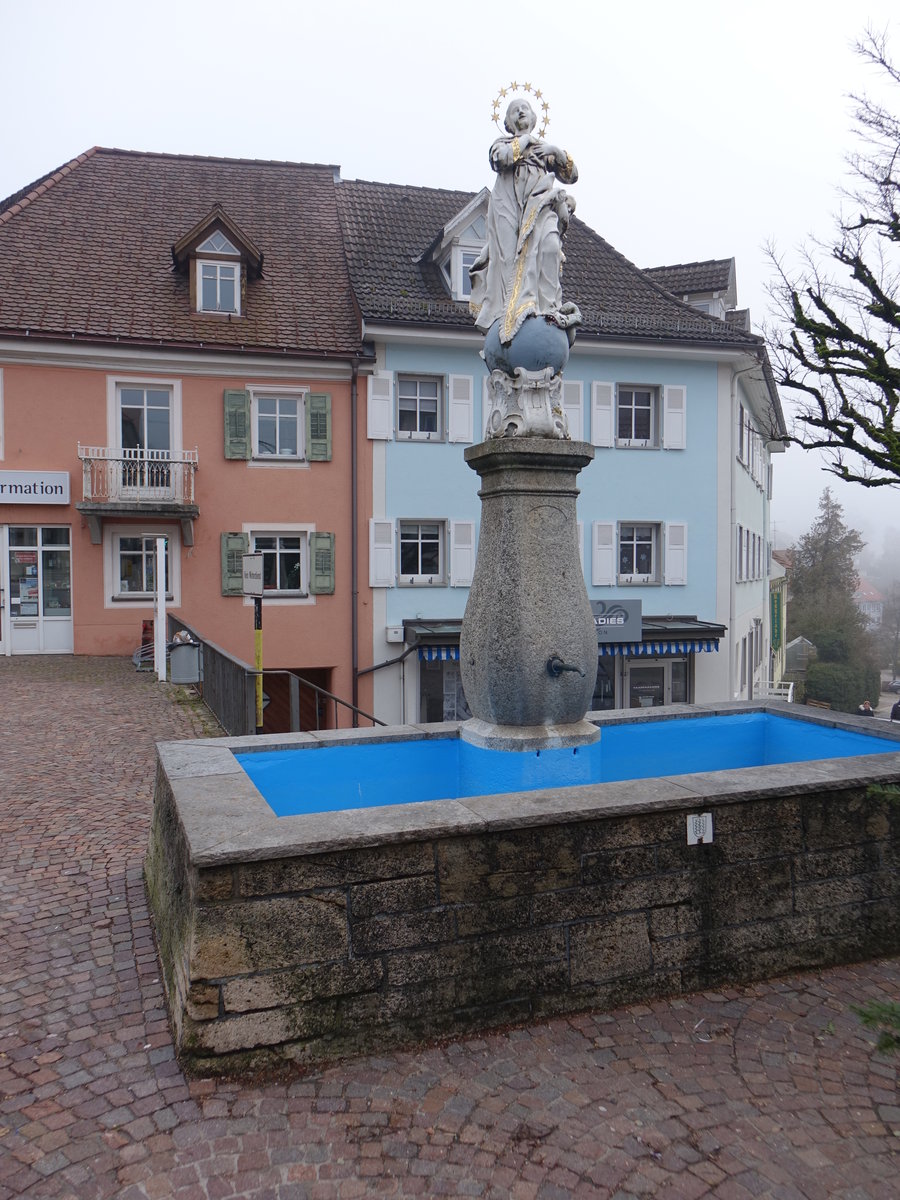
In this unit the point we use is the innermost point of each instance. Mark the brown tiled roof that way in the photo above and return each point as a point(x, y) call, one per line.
point(87, 251)
point(687, 279)
point(387, 227)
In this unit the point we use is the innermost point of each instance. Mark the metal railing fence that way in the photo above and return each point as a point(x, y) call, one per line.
point(229, 689)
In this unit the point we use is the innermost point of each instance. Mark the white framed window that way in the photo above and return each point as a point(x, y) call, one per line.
point(136, 559)
point(218, 280)
point(218, 287)
point(461, 256)
point(285, 548)
point(419, 407)
point(130, 566)
point(422, 552)
point(632, 553)
point(639, 546)
point(637, 416)
point(278, 424)
point(285, 569)
point(143, 414)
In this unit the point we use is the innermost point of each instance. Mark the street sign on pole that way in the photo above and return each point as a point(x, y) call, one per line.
point(252, 574)
point(252, 581)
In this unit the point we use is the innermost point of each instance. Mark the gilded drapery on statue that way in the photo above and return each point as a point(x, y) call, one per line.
point(517, 274)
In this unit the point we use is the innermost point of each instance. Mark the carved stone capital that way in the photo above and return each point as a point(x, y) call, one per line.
point(526, 404)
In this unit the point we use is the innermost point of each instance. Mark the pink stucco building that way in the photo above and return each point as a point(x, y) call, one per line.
point(180, 356)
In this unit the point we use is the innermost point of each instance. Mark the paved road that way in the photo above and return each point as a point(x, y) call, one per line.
point(767, 1091)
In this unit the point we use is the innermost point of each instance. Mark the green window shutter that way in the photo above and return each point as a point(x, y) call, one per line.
point(234, 547)
point(318, 427)
point(238, 442)
point(321, 564)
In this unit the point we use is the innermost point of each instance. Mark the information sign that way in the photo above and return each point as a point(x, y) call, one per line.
point(252, 574)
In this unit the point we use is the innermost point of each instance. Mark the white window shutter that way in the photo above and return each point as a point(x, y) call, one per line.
point(462, 553)
point(574, 409)
point(461, 419)
point(674, 418)
point(381, 553)
point(579, 533)
point(602, 414)
point(603, 553)
point(380, 410)
point(676, 552)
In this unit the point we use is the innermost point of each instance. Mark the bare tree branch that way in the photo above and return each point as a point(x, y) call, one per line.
point(836, 339)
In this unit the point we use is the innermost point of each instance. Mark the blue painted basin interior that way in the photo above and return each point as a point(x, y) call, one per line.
point(326, 779)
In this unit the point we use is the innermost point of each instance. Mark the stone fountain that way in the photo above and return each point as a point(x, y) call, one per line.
point(528, 648)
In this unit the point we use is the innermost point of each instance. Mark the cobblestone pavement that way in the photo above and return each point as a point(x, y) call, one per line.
point(771, 1090)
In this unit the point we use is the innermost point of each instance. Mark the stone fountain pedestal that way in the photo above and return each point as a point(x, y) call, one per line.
point(528, 647)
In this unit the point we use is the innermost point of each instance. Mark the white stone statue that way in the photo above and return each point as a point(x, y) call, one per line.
point(517, 274)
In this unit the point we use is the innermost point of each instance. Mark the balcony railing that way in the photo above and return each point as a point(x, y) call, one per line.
point(138, 475)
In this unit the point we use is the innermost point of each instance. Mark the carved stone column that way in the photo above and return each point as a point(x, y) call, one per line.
point(528, 648)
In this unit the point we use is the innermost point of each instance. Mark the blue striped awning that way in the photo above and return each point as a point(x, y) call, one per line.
point(652, 649)
point(439, 653)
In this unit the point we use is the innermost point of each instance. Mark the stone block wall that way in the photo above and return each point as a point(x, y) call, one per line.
point(313, 956)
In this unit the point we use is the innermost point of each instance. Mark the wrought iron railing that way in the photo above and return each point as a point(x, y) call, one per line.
point(137, 475)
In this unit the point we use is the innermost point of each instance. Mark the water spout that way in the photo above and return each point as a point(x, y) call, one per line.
point(556, 666)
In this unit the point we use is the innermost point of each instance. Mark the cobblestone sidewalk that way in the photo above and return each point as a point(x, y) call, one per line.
point(768, 1091)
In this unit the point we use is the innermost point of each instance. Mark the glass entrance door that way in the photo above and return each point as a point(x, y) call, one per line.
point(39, 581)
point(661, 681)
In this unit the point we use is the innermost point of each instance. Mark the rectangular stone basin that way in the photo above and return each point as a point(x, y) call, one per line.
point(306, 938)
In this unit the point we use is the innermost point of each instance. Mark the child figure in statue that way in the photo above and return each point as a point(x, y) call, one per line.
point(517, 273)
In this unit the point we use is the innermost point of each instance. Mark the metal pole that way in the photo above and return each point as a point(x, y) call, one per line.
point(159, 627)
point(257, 626)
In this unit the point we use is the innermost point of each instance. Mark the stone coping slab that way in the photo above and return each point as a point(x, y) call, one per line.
point(225, 819)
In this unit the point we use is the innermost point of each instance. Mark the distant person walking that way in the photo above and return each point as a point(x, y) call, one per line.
point(865, 709)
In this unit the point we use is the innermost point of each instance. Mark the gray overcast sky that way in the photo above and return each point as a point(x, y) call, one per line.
point(701, 130)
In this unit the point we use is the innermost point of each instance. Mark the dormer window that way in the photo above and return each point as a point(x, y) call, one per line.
point(220, 260)
point(463, 253)
point(219, 283)
point(458, 246)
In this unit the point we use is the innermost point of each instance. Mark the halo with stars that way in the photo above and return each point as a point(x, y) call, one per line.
point(510, 91)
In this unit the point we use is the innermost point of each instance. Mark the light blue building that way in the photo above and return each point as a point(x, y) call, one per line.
point(668, 384)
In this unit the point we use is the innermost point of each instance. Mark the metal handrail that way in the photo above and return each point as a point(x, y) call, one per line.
point(235, 713)
point(320, 691)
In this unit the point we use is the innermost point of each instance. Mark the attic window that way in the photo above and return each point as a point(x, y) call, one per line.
point(462, 255)
point(219, 287)
point(221, 260)
point(218, 243)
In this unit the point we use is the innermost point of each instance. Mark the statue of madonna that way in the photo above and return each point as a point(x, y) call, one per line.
point(517, 274)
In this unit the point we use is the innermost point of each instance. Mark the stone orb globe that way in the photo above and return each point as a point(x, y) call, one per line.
point(538, 344)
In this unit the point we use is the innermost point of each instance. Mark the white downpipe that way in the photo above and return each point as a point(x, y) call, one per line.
point(159, 625)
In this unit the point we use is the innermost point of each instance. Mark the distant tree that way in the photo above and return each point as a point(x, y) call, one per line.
point(822, 582)
point(836, 343)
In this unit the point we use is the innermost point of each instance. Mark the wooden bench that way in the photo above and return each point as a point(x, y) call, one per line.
point(818, 704)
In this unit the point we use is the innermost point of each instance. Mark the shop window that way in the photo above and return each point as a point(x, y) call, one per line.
point(441, 695)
